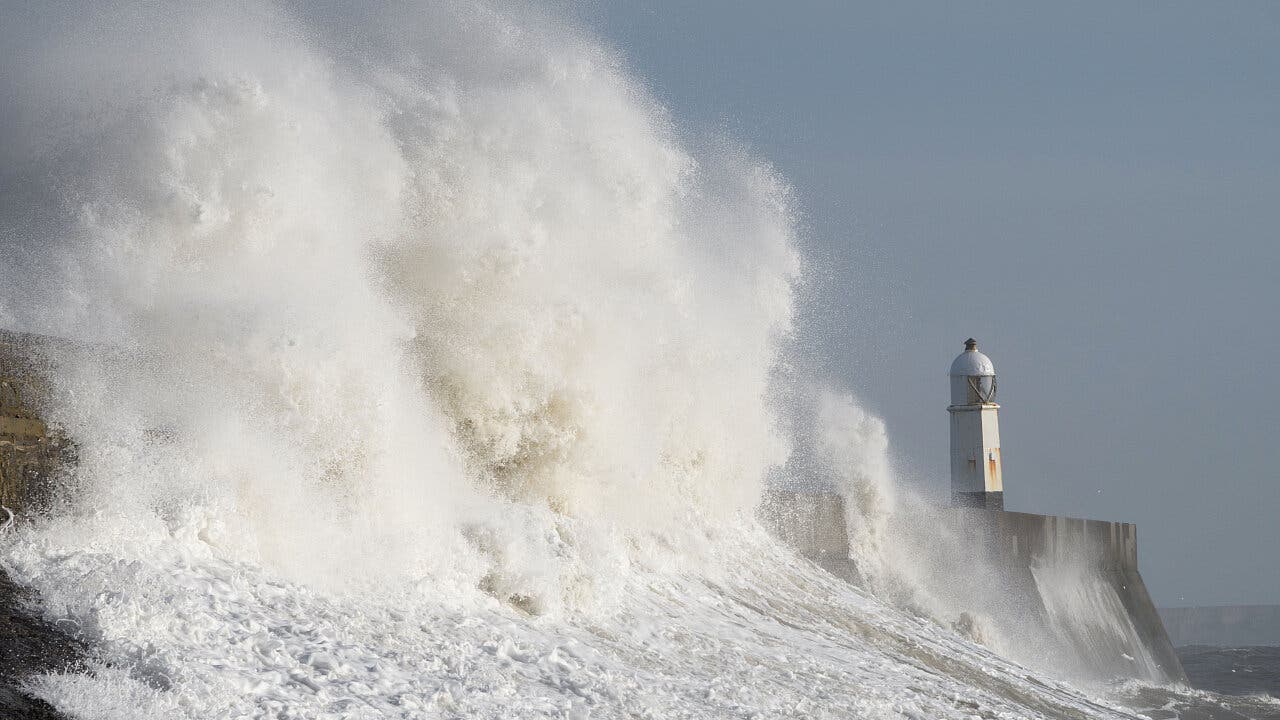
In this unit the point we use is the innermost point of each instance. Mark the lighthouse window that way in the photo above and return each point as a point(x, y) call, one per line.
point(982, 388)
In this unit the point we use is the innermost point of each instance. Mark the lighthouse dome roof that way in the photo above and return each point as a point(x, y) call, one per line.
point(971, 362)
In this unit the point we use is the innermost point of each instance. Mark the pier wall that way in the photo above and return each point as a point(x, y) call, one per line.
point(815, 525)
point(1022, 542)
point(1019, 546)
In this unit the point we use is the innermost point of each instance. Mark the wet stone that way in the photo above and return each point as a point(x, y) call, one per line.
point(29, 646)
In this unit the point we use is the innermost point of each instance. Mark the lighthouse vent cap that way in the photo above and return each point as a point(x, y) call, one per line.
point(971, 363)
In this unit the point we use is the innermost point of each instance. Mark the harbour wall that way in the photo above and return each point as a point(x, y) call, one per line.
point(1079, 577)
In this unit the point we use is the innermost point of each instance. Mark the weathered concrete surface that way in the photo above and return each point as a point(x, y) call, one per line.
point(1223, 626)
point(814, 524)
point(1024, 538)
point(1021, 542)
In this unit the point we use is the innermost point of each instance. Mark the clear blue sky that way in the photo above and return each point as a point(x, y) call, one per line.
point(1090, 189)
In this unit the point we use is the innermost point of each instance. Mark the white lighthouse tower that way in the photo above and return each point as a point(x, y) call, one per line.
point(976, 474)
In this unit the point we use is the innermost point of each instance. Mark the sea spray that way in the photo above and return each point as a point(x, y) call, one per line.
point(357, 302)
point(854, 445)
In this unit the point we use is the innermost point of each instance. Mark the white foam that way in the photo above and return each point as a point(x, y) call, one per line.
point(772, 638)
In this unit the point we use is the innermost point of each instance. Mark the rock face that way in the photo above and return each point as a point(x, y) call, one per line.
point(29, 455)
point(29, 452)
point(29, 646)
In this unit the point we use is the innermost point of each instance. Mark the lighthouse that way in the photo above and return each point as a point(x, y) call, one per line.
point(976, 475)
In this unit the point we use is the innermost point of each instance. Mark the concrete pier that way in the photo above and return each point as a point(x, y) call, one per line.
point(1017, 546)
point(813, 524)
point(1021, 542)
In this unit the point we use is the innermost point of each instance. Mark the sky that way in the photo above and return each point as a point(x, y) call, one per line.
point(1092, 190)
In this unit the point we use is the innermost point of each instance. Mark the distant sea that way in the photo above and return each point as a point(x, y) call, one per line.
point(1228, 649)
point(1233, 671)
point(1226, 626)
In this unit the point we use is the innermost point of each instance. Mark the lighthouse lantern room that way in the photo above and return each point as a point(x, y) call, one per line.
point(976, 475)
